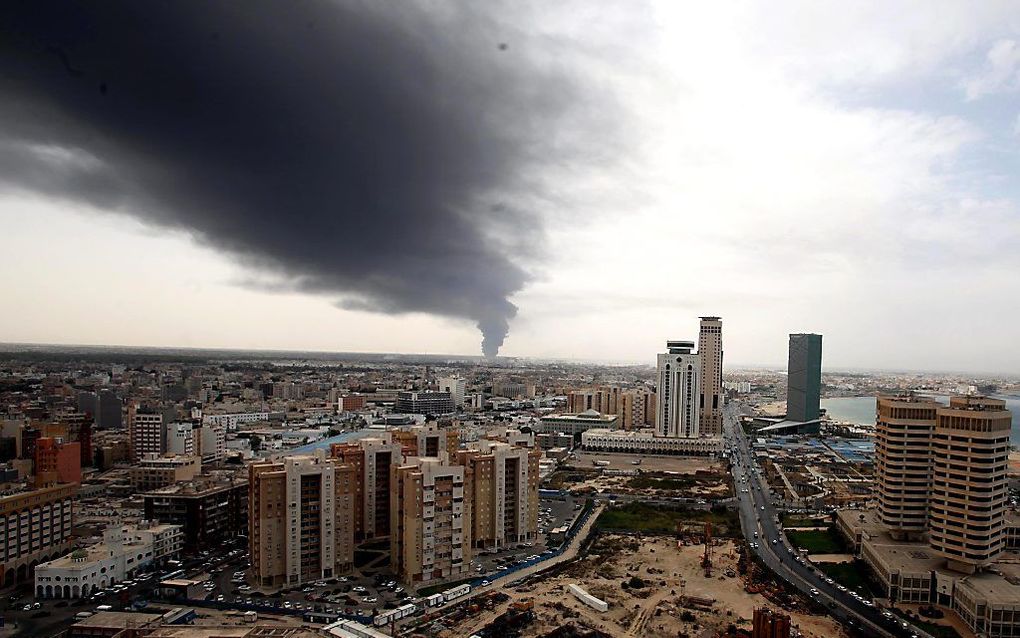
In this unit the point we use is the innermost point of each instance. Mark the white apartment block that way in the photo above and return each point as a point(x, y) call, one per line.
point(180, 439)
point(679, 391)
point(456, 386)
point(123, 551)
point(231, 421)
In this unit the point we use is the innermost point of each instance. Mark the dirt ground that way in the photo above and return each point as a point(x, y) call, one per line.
point(655, 610)
point(681, 465)
point(716, 486)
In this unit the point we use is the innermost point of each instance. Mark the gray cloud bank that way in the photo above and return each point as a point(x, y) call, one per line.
point(377, 152)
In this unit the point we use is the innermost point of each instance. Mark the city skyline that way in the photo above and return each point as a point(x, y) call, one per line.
point(866, 186)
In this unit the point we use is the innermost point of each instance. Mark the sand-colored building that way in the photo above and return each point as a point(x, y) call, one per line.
point(712, 397)
point(37, 528)
point(431, 533)
point(903, 434)
point(970, 450)
point(502, 489)
point(301, 521)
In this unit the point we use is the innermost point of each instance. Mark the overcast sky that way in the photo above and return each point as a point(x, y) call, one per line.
point(847, 169)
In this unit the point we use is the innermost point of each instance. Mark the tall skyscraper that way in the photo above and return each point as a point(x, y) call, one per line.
point(804, 377)
point(970, 452)
point(679, 391)
point(903, 433)
point(942, 469)
point(711, 353)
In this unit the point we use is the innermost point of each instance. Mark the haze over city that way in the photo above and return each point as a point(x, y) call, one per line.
point(604, 175)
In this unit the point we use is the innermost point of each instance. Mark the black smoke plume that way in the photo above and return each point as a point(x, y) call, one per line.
point(385, 153)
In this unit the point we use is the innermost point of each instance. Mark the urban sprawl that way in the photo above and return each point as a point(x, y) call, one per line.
point(188, 494)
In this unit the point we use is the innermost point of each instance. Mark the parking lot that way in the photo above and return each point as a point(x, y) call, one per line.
point(372, 585)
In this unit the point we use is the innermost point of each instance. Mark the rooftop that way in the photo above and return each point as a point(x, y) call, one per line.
point(118, 620)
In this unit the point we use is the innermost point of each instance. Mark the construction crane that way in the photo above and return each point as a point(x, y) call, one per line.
point(706, 562)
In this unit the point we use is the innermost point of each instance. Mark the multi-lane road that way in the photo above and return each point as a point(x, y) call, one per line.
point(758, 519)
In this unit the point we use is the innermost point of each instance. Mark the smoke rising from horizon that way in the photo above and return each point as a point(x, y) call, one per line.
point(378, 153)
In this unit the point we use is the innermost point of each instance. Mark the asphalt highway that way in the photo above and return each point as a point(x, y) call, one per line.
point(758, 520)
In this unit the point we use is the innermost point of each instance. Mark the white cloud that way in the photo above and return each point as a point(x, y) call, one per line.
point(1001, 73)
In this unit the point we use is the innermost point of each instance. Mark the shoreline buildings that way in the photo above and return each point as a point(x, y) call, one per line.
point(804, 378)
point(941, 524)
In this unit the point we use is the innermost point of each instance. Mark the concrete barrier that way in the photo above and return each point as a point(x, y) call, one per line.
point(587, 599)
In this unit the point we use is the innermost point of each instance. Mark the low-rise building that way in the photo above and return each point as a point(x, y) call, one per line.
point(153, 471)
point(210, 510)
point(426, 402)
point(575, 424)
point(121, 553)
point(646, 442)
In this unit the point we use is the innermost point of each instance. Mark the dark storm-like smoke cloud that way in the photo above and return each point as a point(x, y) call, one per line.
point(378, 152)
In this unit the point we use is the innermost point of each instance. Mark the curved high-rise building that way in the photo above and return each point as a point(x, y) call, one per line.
point(903, 436)
point(970, 452)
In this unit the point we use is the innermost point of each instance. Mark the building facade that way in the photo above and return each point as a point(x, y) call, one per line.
point(711, 397)
point(678, 376)
point(456, 387)
point(297, 532)
point(209, 511)
point(430, 540)
point(970, 451)
point(425, 402)
point(36, 527)
point(804, 377)
point(903, 462)
point(502, 493)
point(646, 442)
point(153, 472)
point(147, 430)
point(123, 551)
point(575, 424)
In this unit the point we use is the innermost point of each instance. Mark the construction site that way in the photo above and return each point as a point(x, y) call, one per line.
point(687, 584)
point(680, 478)
point(817, 473)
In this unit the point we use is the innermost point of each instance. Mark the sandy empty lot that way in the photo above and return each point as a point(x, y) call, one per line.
point(653, 611)
point(648, 463)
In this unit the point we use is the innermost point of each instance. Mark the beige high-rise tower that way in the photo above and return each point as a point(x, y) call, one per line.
point(501, 486)
point(431, 536)
point(301, 519)
point(970, 452)
point(903, 462)
point(711, 399)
